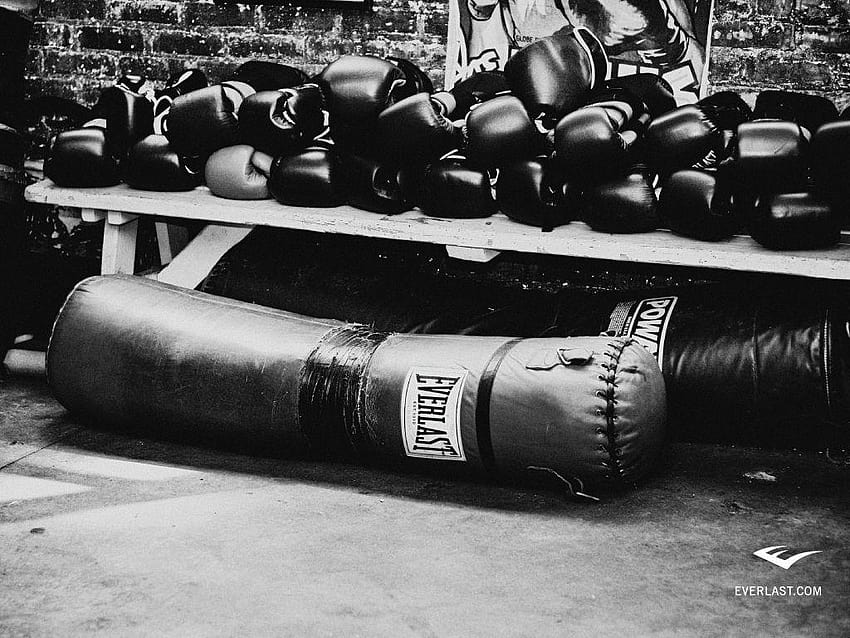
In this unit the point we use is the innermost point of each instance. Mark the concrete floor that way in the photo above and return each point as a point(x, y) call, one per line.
point(104, 534)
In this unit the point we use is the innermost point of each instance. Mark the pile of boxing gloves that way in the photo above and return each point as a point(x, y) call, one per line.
point(547, 141)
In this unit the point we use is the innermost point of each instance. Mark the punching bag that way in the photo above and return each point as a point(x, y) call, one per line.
point(134, 354)
point(749, 364)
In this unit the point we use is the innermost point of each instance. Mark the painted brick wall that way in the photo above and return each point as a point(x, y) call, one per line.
point(80, 46)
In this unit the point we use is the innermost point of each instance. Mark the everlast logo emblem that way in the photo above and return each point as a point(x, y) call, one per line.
point(431, 413)
point(647, 324)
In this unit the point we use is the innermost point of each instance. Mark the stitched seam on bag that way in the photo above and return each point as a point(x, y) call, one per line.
point(611, 416)
point(826, 349)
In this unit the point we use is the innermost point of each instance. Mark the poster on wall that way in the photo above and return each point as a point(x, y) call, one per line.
point(664, 37)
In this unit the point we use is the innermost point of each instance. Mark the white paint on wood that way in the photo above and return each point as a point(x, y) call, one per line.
point(119, 217)
point(480, 255)
point(193, 264)
point(498, 233)
point(171, 239)
point(119, 248)
point(92, 215)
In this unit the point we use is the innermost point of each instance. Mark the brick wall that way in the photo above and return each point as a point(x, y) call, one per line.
point(80, 46)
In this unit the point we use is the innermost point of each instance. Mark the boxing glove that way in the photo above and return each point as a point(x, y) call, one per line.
point(795, 221)
point(478, 87)
point(683, 138)
point(829, 154)
point(809, 111)
point(499, 131)
point(623, 204)
point(262, 75)
point(532, 191)
point(46, 115)
point(127, 117)
point(415, 79)
point(356, 89)
point(770, 157)
point(82, 158)
point(698, 204)
point(653, 90)
point(282, 122)
point(314, 177)
point(553, 75)
point(376, 186)
point(152, 165)
point(178, 84)
point(238, 172)
point(726, 110)
point(454, 187)
point(596, 141)
point(416, 128)
point(205, 120)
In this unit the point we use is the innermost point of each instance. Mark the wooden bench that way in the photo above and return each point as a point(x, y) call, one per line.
point(230, 221)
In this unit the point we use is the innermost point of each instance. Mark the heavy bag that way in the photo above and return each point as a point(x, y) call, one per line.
point(754, 363)
point(768, 369)
point(137, 354)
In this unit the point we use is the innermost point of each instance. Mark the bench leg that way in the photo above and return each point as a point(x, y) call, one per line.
point(171, 239)
point(119, 243)
point(193, 263)
point(480, 255)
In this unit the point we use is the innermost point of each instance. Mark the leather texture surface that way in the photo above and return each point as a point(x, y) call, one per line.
point(163, 359)
point(760, 364)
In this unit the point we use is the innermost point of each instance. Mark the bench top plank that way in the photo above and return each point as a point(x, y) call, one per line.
point(739, 253)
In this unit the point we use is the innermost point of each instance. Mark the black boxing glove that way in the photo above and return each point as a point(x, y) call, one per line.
point(82, 158)
point(726, 110)
point(830, 165)
point(205, 120)
point(178, 84)
point(686, 137)
point(376, 186)
point(795, 221)
point(653, 90)
point(499, 131)
point(553, 75)
point(623, 204)
point(47, 115)
point(313, 177)
point(282, 122)
point(771, 156)
point(698, 204)
point(356, 89)
point(477, 88)
point(152, 165)
point(262, 75)
point(415, 79)
point(127, 117)
point(596, 141)
point(416, 128)
point(454, 187)
point(809, 111)
point(533, 192)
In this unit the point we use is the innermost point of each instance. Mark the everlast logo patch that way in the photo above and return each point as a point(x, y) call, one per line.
point(645, 321)
point(430, 413)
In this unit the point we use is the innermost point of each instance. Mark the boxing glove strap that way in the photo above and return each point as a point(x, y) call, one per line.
point(330, 416)
point(482, 407)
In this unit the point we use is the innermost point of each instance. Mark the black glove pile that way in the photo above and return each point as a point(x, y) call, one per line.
point(546, 142)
